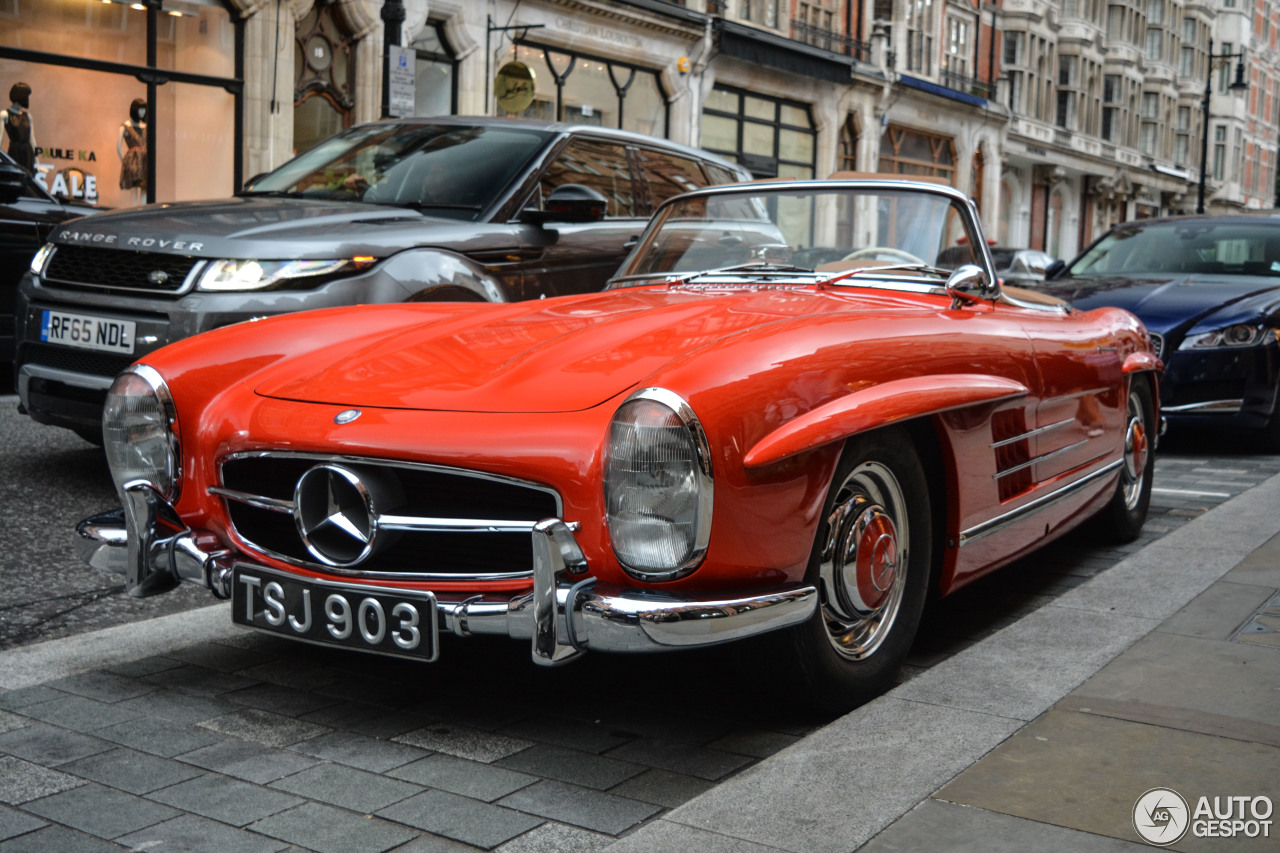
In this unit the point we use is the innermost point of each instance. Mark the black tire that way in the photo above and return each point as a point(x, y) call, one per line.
point(852, 647)
point(1271, 432)
point(1123, 518)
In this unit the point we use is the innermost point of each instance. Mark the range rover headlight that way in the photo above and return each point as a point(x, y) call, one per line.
point(224, 275)
point(41, 258)
point(140, 431)
point(657, 486)
point(1239, 335)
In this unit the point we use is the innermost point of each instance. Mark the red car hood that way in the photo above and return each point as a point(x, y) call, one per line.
point(552, 355)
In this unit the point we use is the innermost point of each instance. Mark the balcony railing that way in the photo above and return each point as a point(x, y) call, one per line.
point(828, 40)
point(968, 85)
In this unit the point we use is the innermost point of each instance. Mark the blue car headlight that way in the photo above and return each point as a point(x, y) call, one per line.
point(1233, 337)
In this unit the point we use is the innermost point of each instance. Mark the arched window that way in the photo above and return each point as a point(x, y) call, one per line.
point(324, 78)
point(848, 146)
point(436, 83)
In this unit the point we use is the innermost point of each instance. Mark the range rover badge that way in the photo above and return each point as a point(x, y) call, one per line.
point(346, 417)
point(158, 277)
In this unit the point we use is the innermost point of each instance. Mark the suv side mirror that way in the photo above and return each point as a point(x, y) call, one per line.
point(569, 203)
point(1054, 269)
point(13, 180)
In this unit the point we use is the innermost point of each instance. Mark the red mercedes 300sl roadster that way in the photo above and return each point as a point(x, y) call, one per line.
point(799, 408)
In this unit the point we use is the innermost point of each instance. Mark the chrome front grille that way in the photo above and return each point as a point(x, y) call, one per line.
point(1157, 343)
point(428, 522)
point(96, 268)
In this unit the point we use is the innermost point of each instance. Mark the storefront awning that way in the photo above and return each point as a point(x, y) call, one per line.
point(943, 91)
point(774, 51)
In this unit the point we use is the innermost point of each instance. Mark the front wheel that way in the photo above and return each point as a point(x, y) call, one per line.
point(871, 562)
point(1123, 518)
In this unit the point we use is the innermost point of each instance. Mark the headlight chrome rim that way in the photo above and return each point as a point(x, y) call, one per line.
point(164, 397)
point(705, 483)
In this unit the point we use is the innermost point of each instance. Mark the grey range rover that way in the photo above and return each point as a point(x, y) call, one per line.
point(423, 209)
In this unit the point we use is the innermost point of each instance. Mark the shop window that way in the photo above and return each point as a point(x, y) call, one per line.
point(315, 119)
point(585, 89)
point(324, 78)
point(769, 136)
point(912, 152)
point(100, 134)
point(602, 166)
point(436, 78)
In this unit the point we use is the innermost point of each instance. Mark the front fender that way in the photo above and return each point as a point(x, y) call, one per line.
point(887, 403)
point(422, 272)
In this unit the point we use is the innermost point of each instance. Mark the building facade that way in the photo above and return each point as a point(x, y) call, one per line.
point(1060, 118)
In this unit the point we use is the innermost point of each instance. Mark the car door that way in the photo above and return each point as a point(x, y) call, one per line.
point(580, 257)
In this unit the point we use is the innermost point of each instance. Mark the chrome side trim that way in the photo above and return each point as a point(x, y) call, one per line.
point(1211, 407)
point(1029, 433)
point(1041, 458)
point(1043, 502)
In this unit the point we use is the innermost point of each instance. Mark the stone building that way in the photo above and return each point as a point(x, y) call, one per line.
point(1059, 118)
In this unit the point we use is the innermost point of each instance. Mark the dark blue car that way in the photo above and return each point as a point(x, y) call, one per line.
point(1208, 290)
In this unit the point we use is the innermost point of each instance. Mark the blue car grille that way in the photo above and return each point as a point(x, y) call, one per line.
point(1157, 341)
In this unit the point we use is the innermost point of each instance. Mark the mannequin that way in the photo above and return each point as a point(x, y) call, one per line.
point(15, 127)
point(131, 146)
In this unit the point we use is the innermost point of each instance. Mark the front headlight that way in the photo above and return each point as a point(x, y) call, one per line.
point(657, 486)
point(140, 431)
point(41, 258)
point(226, 275)
point(1239, 335)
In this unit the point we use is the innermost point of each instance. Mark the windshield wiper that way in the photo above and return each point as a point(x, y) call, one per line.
point(427, 205)
point(274, 193)
point(926, 268)
point(754, 266)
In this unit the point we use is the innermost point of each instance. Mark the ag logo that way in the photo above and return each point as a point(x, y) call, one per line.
point(1161, 816)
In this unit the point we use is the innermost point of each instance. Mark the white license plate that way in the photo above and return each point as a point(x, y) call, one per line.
point(87, 332)
point(397, 623)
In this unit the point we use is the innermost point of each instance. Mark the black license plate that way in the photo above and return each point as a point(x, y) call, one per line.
point(401, 623)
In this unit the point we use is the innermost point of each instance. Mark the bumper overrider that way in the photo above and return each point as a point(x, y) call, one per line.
point(567, 614)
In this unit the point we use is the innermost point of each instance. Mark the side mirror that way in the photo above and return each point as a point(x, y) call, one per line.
point(968, 284)
point(569, 203)
point(13, 180)
point(1054, 269)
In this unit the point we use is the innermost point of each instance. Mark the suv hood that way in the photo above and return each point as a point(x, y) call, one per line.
point(1165, 303)
point(276, 229)
point(553, 355)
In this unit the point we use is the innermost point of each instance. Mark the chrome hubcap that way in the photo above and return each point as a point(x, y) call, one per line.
point(864, 561)
point(1136, 451)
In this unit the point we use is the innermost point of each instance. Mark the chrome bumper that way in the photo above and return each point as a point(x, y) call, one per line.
point(567, 614)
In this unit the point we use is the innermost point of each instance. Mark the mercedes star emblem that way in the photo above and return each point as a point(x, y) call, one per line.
point(334, 514)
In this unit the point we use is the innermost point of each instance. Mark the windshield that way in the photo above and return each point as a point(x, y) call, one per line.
point(1194, 246)
point(826, 228)
point(446, 170)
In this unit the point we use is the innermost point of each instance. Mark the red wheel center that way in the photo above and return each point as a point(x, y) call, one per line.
point(877, 566)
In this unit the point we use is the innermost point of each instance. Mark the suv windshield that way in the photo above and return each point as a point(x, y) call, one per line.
point(1194, 246)
point(827, 229)
point(447, 170)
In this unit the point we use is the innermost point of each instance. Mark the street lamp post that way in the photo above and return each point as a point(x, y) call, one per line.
point(1237, 86)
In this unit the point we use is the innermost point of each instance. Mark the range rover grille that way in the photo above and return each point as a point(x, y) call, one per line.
point(117, 269)
point(258, 490)
point(74, 360)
